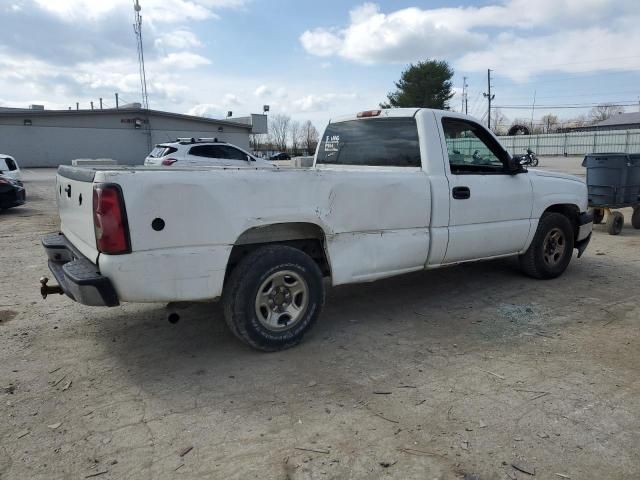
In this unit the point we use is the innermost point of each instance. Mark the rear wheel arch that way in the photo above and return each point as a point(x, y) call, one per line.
point(308, 237)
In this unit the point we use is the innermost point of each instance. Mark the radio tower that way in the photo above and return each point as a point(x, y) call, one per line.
point(137, 28)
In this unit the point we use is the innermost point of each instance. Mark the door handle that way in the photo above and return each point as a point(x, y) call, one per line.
point(461, 193)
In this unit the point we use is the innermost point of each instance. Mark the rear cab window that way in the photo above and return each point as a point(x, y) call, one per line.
point(379, 142)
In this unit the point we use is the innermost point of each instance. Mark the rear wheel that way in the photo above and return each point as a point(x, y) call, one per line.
point(615, 222)
point(273, 297)
point(551, 248)
point(598, 215)
point(635, 219)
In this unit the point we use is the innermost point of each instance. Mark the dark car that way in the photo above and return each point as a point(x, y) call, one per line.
point(280, 156)
point(12, 193)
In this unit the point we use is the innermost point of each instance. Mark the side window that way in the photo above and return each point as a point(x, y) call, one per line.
point(11, 164)
point(207, 151)
point(233, 153)
point(471, 149)
point(380, 142)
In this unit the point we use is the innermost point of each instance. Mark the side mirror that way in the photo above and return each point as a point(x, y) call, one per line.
point(514, 164)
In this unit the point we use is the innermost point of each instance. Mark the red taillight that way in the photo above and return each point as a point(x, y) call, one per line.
point(109, 220)
point(169, 161)
point(369, 113)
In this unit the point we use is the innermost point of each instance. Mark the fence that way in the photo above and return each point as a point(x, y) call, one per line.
point(576, 143)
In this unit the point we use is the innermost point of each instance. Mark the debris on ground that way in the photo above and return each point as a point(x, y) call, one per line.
point(524, 468)
point(185, 450)
point(23, 433)
point(53, 426)
point(326, 452)
point(96, 474)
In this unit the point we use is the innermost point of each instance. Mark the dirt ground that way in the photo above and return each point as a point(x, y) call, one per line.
point(472, 372)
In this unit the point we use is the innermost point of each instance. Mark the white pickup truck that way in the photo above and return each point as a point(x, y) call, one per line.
point(391, 191)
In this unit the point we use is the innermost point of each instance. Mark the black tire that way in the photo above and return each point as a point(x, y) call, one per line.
point(615, 222)
point(241, 291)
point(598, 215)
point(537, 262)
point(635, 219)
point(534, 161)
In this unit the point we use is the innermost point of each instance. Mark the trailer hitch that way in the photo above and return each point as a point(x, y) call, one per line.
point(47, 290)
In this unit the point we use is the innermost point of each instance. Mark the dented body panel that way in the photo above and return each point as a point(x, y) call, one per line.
point(372, 222)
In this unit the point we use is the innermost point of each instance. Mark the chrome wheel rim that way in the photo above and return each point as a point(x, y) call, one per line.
point(555, 244)
point(282, 300)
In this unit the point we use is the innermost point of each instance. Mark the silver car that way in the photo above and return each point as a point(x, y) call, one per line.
point(202, 152)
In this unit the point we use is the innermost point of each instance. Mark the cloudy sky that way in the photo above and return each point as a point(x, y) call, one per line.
point(316, 59)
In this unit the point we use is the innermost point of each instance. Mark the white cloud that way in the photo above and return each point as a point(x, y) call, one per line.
point(182, 60)
point(321, 42)
point(209, 110)
point(231, 100)
point(322, 102)
point(160, 11)
point(181, 39)
point(262, 91)
point(503, 34)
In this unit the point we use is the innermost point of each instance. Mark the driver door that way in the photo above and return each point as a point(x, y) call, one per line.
point(490, 209)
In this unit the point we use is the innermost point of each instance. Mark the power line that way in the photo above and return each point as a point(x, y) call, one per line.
point(561, 107)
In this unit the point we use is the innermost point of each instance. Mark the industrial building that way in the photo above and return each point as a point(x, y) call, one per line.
point(47, 138)
point(620, 121)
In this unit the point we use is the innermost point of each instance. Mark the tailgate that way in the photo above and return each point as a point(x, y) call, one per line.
point(74, 193)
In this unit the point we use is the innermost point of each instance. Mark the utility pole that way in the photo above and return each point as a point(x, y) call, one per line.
point(100, 103)
point(465, 96)
point(137, 28)
point(91, 104)
point(533, 109)
point(489, 97)
point(117, 101)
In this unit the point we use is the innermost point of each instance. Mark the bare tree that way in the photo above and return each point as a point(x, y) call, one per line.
point(295, 131)
point(279, 131)
point(604, 111)
point(499, 121)
point(549, 122)
point(257, 141)
point(310, 137)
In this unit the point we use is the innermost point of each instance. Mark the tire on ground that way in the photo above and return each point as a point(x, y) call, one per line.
point(241, 291)
point(615, 222)
point(598, 215)
point(635, 219)
point(533, 263)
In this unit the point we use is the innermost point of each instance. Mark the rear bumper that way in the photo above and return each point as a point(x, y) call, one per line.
point(76, 275)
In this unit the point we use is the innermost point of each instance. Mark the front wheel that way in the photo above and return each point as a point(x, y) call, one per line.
point(273, 297)
point(551, 249)
point(534, 161)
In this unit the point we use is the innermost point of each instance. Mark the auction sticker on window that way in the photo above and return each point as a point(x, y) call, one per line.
point(331, 143)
